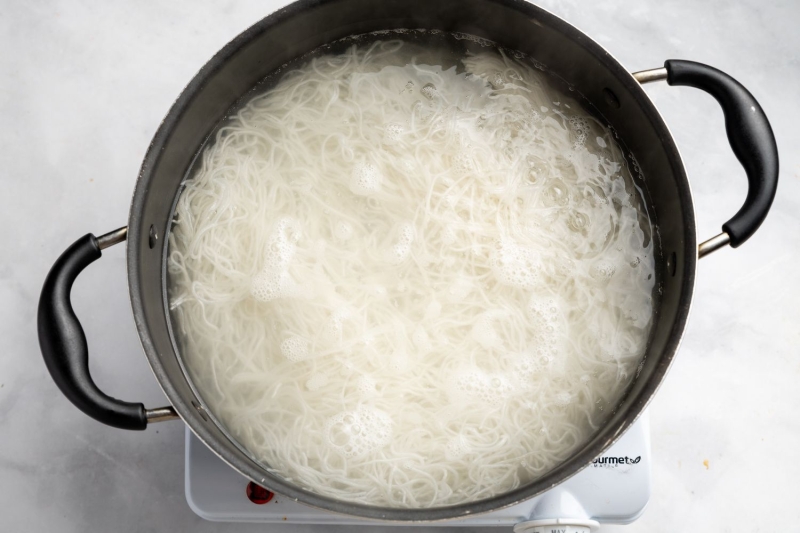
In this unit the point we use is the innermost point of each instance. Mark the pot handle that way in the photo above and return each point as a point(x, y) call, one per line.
point(63, 342)
point(750, 136)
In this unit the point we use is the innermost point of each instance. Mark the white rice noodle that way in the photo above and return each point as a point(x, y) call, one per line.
point(408, 285)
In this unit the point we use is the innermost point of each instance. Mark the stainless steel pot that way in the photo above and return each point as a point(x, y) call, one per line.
point(617, 98)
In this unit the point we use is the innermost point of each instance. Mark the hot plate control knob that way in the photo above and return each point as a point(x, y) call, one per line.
point(258, 494)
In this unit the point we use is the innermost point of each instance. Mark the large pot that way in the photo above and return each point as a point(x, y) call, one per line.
point(303, 26)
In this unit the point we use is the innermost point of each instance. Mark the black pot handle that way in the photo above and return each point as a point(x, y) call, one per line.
point(750, 136)
point(63, 342)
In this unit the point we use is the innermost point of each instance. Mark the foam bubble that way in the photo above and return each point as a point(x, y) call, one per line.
point(563, 398)
point(402, 247)
point(429, 91)
point(580, 125)
point(274, 281)
point(463, 163)
point(457, 447)
point(366, 179)
point(398, 253)
point(475, 385)
point(366, 386)
point(392, 133)
point(497, 81)
point(358, 432)
point(602, 271)
point(515, 265)
point(545, 308)
point(331, 332)
point(295, 348)
point(525, 367)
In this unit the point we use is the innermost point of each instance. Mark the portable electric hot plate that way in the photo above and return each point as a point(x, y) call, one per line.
point(614, 489)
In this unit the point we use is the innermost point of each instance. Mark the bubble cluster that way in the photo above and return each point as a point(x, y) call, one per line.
point(365, 179)
point(515, 265)
point(580, 126)
point(457, 447)
point(331, 332)
point(402, 247)
point(524, 367)
point(274, 280)
point(476, 385)
point(563, 398)
point(295, 348)
point(392, 133)
point(366, 386)
point(428, 91)
point(603, 271)
point(358, 432)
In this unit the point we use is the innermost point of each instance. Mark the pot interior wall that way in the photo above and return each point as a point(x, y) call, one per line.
point(306, 25)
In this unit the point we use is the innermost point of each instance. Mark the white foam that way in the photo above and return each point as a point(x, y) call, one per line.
point(365, 179)
point(401, 249)
point(476, 386)
point(515, 265)
point(366, 386)
point(274, 281)
point(429, 91)
point(393, 133)
point(563, 398)
point(331, 333)
point(603, 271)
point(457, 447)
point(359, 432)
point(295, 348)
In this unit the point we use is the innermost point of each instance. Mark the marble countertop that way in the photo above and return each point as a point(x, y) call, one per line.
point(84, 86)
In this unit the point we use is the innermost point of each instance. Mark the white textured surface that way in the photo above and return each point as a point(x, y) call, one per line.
point(84, 87)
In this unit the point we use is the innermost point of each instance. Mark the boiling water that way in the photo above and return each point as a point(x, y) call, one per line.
point(411, 280)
